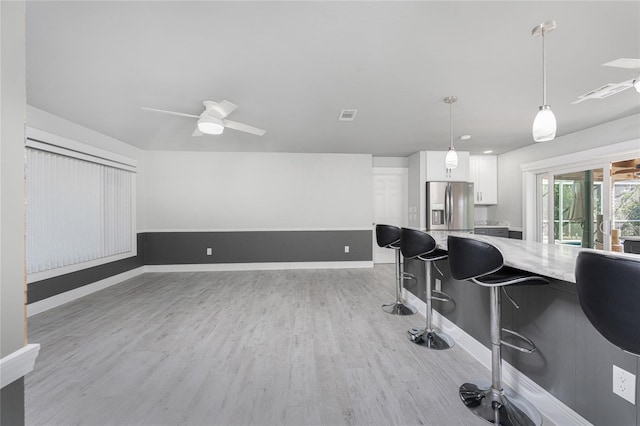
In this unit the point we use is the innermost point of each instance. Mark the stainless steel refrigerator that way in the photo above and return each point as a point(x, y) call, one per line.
point(450, 206)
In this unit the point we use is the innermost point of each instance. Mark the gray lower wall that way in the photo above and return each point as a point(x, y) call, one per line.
point(12, 404)
point(168, 248)
point(49, 287)
point(172, 248)
point(573, 361)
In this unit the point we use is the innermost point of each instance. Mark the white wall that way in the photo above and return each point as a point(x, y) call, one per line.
point(417, 196)
point(12, 112)
point(196, 190)
point(510, 176)
point(391, 162)
point(42, 120)
point(244, 191)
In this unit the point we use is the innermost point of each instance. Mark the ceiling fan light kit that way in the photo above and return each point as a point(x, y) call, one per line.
point(210, 125)
point(544, 125)
point(451, 158)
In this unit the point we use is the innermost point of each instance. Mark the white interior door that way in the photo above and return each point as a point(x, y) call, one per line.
point(389, 204)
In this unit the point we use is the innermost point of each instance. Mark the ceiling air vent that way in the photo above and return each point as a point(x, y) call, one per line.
point(347, 115)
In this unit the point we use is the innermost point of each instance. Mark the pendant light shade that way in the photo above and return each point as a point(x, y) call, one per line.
point(544, 125)
point(451, 159)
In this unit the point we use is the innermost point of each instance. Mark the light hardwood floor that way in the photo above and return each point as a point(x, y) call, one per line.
point(236, 348)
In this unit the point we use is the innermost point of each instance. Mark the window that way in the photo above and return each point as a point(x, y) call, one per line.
point(626, 197)
point(80, 210)
point(589, 198)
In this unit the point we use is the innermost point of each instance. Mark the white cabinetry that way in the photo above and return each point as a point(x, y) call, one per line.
point(484, 175)
point(437, 172)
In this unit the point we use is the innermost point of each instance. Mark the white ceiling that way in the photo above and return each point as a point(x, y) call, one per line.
point(292, 66)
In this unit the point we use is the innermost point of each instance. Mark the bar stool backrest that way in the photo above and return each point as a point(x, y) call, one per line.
point(414, 243)
point(609, 292)
point(388, 236)
point(469, 258)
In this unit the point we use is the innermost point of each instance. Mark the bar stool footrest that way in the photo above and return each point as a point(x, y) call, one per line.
point(528, 350)
point(441, 296)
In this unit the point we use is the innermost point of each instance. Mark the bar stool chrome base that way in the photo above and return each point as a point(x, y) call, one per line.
point(398, 308)
point(432, 339)
point(497, 408)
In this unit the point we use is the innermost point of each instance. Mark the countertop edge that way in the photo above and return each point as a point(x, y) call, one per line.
point(547, 260)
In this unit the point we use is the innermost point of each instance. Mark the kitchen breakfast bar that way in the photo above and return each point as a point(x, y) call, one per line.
point(573, 361)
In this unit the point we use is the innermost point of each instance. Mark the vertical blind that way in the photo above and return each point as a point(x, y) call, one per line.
point(77, 210)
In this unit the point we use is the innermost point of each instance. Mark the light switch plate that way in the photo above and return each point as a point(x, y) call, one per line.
point(624, 384)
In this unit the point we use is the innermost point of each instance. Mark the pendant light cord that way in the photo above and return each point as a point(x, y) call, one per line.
point(450, 126)
point(544, 71)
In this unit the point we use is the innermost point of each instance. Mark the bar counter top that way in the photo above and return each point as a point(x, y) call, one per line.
point(550, 260)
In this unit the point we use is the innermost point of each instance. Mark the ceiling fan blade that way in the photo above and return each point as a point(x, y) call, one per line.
point(605, 91)
point(224, 108)
point(197, 132)
point(633, 64)
point(171, 112)
point(243, 127)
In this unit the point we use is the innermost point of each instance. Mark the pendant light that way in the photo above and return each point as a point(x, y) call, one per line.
point(451, 159)
point(544, 125)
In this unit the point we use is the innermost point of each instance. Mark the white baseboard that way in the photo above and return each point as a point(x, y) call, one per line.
point(212, 267)
point(17, 364)
point(551, 407)
point(68, 296)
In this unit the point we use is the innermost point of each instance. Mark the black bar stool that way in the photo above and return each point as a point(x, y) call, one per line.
point(608, 288)
point(419, 245)
point(388, 236)
point(483, 264)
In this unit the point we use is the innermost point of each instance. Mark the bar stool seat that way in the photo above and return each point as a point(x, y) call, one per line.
point(608, 289)
point(483, 264)
point(388, 236)
point(415, 244)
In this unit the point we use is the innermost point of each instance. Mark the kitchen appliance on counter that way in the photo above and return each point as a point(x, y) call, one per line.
point(450, 206)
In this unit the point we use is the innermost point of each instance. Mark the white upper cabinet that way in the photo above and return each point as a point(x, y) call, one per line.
point(436, 171)
point(484, 175)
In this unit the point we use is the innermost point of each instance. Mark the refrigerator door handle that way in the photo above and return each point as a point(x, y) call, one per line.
point(447, 205)
point(450, 204)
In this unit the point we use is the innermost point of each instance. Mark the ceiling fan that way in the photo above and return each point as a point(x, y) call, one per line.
point(213, 120)
point(613, 88)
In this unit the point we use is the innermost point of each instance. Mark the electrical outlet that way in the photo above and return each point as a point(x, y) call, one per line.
point(209, 251)
point(624, 384)
point(438, 286)
point(346, 249)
